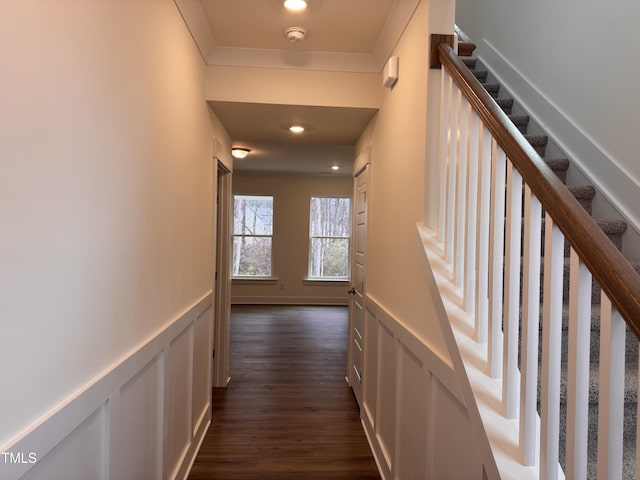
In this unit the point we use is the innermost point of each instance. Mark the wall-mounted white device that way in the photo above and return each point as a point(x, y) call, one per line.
point(390, 72)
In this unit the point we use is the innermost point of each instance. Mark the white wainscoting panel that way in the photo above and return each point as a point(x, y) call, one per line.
point(79, 455)
point(411, 424)
point(413, 412)
point(179, 371)
point(202, 365)
point(142, 418)
point(386, 428)
point(453, 451)
point(136, 426)
point(370, 369)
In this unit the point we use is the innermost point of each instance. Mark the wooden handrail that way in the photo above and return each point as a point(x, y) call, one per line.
point(608, 266)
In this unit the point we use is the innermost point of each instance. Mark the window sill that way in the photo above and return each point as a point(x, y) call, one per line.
point(254, 280)
point(326, 281)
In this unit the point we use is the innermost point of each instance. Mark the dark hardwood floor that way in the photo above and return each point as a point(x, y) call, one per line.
point(287, 413)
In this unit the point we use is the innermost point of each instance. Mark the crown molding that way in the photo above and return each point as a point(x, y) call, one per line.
point(393, 28)
point(194, 18)
point(287, 59)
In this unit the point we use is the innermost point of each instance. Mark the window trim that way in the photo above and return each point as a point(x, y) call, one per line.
point(248, 280)
point(309, 279)
point(265, 279)
point(326, 281)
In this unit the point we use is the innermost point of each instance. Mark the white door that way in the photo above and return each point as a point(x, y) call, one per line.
point(358, 286)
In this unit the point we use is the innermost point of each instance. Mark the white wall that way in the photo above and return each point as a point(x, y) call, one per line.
point(292, 199)
point(397, 136)
point(579, 58)
point(106, 192)
point(295, 87)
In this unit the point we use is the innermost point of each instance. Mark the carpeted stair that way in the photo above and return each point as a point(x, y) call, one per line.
point(615, 230)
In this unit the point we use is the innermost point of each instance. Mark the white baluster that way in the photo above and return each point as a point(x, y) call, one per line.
point(496, 259)
point(611, 391)
point(529, 428)
point(463, 171)
point(578, 368)
point(454, 115)
point(483, 228)
point(511, 375)
point(551, 347)
point(472, 212)
point(445, 126)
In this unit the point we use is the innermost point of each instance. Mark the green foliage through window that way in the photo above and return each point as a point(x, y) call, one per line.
point(252, 235)
point(329, 237)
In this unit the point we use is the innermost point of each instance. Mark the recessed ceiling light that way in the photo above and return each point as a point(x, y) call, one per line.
point(239, 152)
point(296, 128)
point(335, 167)
point(295, 5)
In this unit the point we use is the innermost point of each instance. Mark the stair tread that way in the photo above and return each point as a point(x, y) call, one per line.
point(537, 139)
point(582, 191)
point(491, 87)
point(470, 62)
point(519, 119)
point(505, 103)
point(466, 48)
point(480, 74)
point(612, 226)
point(558, 163)
point(559, 167)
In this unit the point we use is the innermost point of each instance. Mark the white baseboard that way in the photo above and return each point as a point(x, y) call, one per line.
point(194, 448)
point(610, 178)
point(274, 300)
point(143, 417)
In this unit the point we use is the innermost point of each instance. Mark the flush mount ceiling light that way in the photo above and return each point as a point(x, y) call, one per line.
point(239, 152)
point(295, 5)
point(296, 128)
point(335, 167)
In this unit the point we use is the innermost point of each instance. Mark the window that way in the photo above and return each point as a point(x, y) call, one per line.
point(252, 235)
point(329, 237)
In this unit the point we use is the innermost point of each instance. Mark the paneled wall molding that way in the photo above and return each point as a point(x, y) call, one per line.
point(442, 365)
point(413, 411)
point(142, 417)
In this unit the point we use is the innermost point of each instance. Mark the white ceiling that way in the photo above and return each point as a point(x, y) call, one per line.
point(347, 26)
point(343, 35)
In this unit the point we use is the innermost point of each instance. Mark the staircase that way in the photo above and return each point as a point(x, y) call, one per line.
point(614, 229)
point(549, 360)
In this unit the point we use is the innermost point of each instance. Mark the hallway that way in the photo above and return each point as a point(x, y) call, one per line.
point(287, 413)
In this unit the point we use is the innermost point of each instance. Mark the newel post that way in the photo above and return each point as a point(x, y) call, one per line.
point(434, 54)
